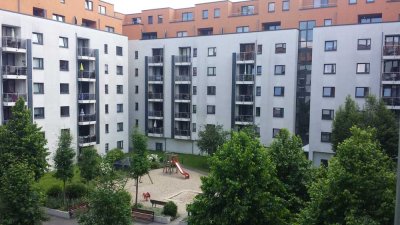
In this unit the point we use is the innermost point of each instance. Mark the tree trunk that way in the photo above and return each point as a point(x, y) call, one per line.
point(137, 189)
point(64, 193)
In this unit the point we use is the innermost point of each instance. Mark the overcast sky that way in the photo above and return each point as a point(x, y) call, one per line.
point(135, 6)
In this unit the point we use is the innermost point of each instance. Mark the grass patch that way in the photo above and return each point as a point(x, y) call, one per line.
point(197, 162)
point(48, 180)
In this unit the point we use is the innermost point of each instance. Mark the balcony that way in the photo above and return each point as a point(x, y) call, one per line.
point(316, 4)
point(391, 51)
point(156, 97)
point(156, 114)
point(245, 79)
point(86, 76)
point(86, 54)
point(182, 116)
point(182, 60)
point(245, 57)
point(182, 79)
point(184, 97)
point(14, 72)
point(87, 140)
point(9, 99)
point(391, 78)
point(244, 119)
point(156, 79)
point(86, 98)
point(87, 119)
point(245, 99)
point(182, 134)
point(155, 132)
point(157, 60)
point(392, 102)
point(12, 44)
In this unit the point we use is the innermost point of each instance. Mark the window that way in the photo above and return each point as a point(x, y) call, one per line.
point(106, 68)
point(136, 54)
point(328, 92)
point(280, 70)
point(212, 51)
point(64, 65)
point(326, 137)
point(120, 144)
point(259, 49)
point(370, 1)
point(328, 22)
point(370, 18)
point(67, 130)
point(279, 91)
point(107, 128)
point(120, 108)
point(258, 91)
point(136, 89)
point(63, 42)
point(38, 63)
point(187, 16)
point(193, 127)
point(136, 20)
point(106, 147)
point(136, 106)
point(106, 108)
point(329, 68)
point(285, 6)
point(160, 19)
point(280, 48)
point(64, 88)
point(120, 89)
point(194, 90)
point(105, 48)
point(364, 44)
point(211, 71)
point(247, 10)
point(278, 112)
point(194, 71)
point(362, 92)
point(102, 9)
point(38, 113)
point(211, 90)
point(330, 46)
point(136, 72)
point(217, 13)
point(272, 26)
point(110, 29)
point(271, 7)
point(88, 5)
point(119, 50)
point(242, 29)
point(363, 68)
point(259, 70)
point(38, 88)
point(106, 89)
point(120, 70)
point(258, 111)
point(194, 52)
point(37, 38)
point(58, 18)
point(181, 34)
point(275, 132)
point(352, 1)
point(64, 111)
point(205, 14)
point(150, 19)
point(38, 12)
point(194, 110)
point(327, 114)
point(210, 109)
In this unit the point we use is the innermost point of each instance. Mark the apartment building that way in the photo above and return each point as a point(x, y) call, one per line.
point(73, 78)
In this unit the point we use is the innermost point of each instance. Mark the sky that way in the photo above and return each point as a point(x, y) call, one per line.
point(135, 6)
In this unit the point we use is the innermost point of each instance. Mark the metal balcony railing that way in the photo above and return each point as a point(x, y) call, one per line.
point(245, 56)
point(87, 74)
point(184, 115)
point(391, 50)
point(156, 130)
point(244, 13)
point(392, 101)
point(86, 52)
point(393, 76)
point(156, 59)
point(14, 70)
point(182, 78)
point(87, 139)
point(87, 118)
point(182, 59)
point(245, 98)
point(245, 77)
point(182, 96)
point(179, 132)
point(156, 96)
point(86, 96)
point(12, 42)
point(156, 113)
point(156, 78)
point(244, 118)
point(13, 97)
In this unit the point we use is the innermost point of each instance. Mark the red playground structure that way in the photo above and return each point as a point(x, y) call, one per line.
point(172, 161)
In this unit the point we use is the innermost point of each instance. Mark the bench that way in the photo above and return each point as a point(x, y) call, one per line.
point(144, 215)
point(154, 203)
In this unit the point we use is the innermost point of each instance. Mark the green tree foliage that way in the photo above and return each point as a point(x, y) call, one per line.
point(374, 114)
point(211, 138)
point(140, 165)
point(292, 167)
point(22, 140)
point(64, 159)
point(20, 200)
point(114, 155)
point(89, 162)
point(358, 186)
point(241, 188)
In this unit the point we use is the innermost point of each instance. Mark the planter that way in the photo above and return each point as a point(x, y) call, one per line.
point(57, 213)
point(162, 219)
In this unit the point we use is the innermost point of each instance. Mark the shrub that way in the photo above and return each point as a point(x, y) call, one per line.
point(54, 191)
point(170, 209)
point(76, 190)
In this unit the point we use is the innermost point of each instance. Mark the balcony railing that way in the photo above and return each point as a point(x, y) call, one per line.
point(182, 96)
point(12, 42)
point(87, 74)
point(87, 139)
point(179, 132)
point(391, 50)
point(245, 56)
point(14, 70)
point(182, 78)
point(86, 96)
point(156, 113)
point(86, 52)
point(184, 115)
point(244, 118)
point(156, 78)
point(392, 101)
point(156, 96)
point(245, 13)
point(391, 76)
point(156, 130)
point(182, 59)
point(87, 118)
point(244, 98)
point(156, 59)
point(245, 77)
point(13, 97)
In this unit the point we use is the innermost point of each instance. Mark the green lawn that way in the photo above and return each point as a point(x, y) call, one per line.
point(49, 180)
point(197, 162)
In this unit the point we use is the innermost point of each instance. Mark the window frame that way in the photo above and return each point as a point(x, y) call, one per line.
point(213, 52)
point(332, 92)
point(204, 14)
point(39, 38)
point(39, 116)
point(213, 71)
point(120, 70)
point(64, 108)
point(119, 51)
point(333, 68)
point(62, 68)
point(326, 137)
point(278, 112)
point(283, 69)
point(366, 68)
point(327, 116)
point(334, 46)
point(277, 48)
point(100, 10)
point(211, 110)
point(41, 63)
point(120, 108)
point(365, 92)
point(287, 4)
point(40, 88)
point(271, 7)
point(211, 90)
point(64, 41)
point(64, 91)
point(217, 15)
point(362, 47)
point(281, 92)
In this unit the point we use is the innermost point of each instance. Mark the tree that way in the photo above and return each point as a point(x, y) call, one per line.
point(20, 199)
point(24, 140)
point(140, 165)
point(211, 138)
point(64, 159)
point(358, 188)
point(114, 155)
point(241, 188)
point(89, 162)
point(292, 167)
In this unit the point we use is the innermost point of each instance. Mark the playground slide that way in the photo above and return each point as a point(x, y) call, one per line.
point(184, 173)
